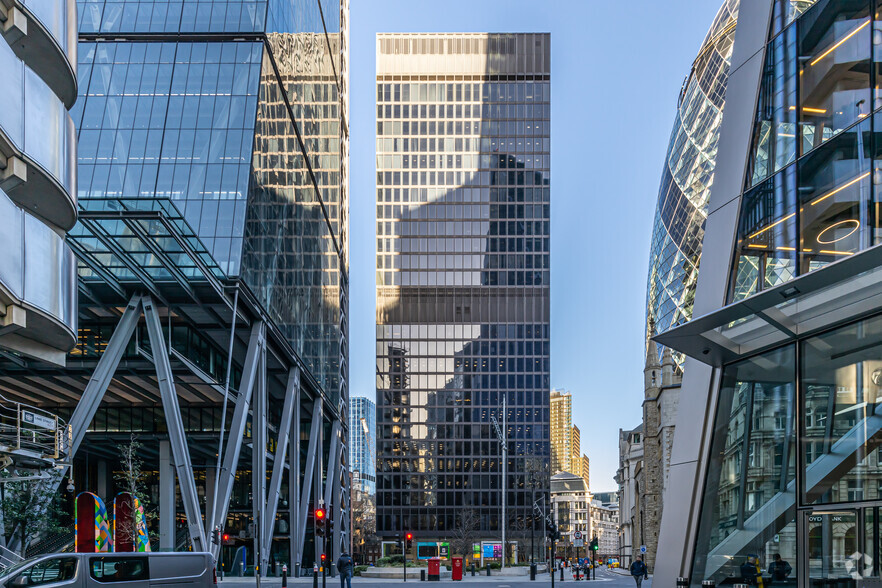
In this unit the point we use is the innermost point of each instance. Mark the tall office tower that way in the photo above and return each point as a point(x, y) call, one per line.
point(463, 200)
point(576, 451)
point(561, 420)
point(38, 204)
point(362, 443)
point(211, 248)
point(687, 177)
point(777, 451)
point(586, 470)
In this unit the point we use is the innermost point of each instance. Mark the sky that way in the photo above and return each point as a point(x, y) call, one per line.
point(617, 69)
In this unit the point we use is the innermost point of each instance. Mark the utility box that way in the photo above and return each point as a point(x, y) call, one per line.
point(434, 569)
point(457, 568)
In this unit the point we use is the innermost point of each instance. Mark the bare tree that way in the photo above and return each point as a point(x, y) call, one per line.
point(364, 524)
point(465, 533)
point(132, 479)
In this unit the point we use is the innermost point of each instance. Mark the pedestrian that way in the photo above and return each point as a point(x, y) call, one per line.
point(779, 569)
point(639, 571)
point(751, 573)
point(344, 567)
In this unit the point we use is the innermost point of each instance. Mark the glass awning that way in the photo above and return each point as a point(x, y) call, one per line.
point(145, 241)
point(841, 291)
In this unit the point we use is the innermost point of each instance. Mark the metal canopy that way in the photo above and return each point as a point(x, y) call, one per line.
point(844, 290)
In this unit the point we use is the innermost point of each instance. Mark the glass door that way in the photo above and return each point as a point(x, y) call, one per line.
point(832, 541)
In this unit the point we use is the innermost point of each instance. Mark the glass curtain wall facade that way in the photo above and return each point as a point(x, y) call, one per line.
point(463, 204)
point(362, 443)
point(793, 467)
point(678, 228)
point(212, 159)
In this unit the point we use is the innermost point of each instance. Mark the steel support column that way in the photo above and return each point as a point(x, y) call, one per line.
point(332, 481)
point(176, 434)
point(166, 498)
point(311, 456)
point(256, 343)
point(272, 502)
point(103, 374)
point(258, 461)
point(336, 505)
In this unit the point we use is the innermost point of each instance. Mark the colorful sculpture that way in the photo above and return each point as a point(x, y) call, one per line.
point(92, 527)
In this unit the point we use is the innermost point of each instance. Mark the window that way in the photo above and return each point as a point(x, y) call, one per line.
point(855, 491)
point(119, 569)
point(51, 571)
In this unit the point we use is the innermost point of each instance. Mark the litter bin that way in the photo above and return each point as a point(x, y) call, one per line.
point(457, 568)
point(434, 569)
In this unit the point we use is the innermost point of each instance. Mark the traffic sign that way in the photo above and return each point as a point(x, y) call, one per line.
point(642, 549)
point(578, 540)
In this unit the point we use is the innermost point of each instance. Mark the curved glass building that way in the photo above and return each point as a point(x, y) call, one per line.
point(678, 227)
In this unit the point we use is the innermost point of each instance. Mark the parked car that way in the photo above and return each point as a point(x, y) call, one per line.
point(133, 570)
point(613, 562)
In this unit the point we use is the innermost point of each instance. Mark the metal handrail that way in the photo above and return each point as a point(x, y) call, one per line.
point(26, 428)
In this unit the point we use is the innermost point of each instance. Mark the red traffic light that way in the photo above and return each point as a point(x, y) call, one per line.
point(319, 514)
point(409, 536)
point(324, 557)
point(226, 537)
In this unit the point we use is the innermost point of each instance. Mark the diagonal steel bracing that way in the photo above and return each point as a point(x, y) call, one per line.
point(256, 343)
point(332, 484)
point(103, 374)
point(258, 460)
point(176, 434)
point(272, 503)
point(309, 473)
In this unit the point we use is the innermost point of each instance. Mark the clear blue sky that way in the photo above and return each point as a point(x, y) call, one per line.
point(617, 68)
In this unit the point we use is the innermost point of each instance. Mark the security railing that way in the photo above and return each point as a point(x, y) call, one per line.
point(30, 432)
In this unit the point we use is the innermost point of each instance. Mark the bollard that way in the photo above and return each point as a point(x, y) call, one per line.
point(488, 569)
point(682, 582)
point(473, 568)
point(708, 584)
point(422, 575)
point(561, 572)
point(532, 571)
point(314, 575)
point(284, 576)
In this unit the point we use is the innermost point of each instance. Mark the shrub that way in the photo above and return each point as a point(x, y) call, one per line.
point(495, 566)
point(359, 569)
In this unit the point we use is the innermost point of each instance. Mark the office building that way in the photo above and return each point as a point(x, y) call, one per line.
point(362, 440)
point(211, 266)
point(776, 452)
point(570, 502)
point(586, 463)
point(38, 199)
point(604, 524)
point(561, 431)
point(463, 203)
point(687, 177)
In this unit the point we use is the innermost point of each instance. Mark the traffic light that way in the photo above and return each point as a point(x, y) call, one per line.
point(320, 515)
point(324, 558)
point(409, 538)
point(215, 536)
point(594, 546)
point(226, 537)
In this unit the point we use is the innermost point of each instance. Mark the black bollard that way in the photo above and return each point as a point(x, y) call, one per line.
point(488, 569)
point(532, 571)
point(708, 584)
point(473, 568)
point(561, 573)
point(314, 576)
point(682, 582)
point(422, 575)
point(284, 576)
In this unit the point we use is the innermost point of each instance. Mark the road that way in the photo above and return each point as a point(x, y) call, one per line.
point(605, 579)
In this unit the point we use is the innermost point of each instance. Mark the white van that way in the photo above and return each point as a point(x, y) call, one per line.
point(133, 570)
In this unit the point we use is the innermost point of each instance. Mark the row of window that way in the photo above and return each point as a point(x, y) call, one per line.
point(461, 194)
point(485, 128)
point(460, 112)
point(490, 92)
point(485, 332)
point(466, 144)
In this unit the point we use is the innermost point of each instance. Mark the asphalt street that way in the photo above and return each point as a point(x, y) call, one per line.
point(605, 579)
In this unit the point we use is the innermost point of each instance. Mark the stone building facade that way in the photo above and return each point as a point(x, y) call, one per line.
point(630, 506)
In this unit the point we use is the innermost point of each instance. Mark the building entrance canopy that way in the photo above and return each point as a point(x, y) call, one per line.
point(844, 290)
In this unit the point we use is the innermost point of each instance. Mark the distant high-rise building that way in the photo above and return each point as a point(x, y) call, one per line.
point(585, 470)
point(362, 439)
point(561, 431)
point(575, 451)
point(463, 205)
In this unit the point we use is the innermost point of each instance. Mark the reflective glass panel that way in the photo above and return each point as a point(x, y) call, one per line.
point(774, 131)
point(766, 248)
point(748, 513)
point(834, 181)
point(834, 50)
point(842, 426)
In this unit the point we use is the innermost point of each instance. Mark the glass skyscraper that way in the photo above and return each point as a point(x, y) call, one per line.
point(687, 177)
point(463, 204)
point(362, 443)
point(211, 256)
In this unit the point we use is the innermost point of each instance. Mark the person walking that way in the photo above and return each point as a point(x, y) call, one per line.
point(345, 566)
point(639, 571)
